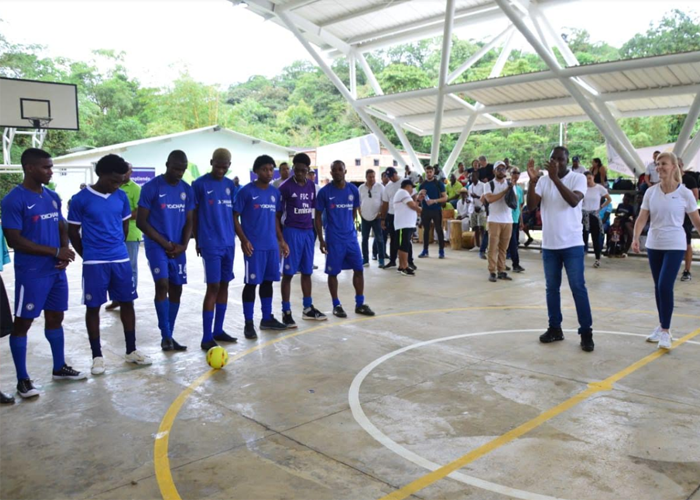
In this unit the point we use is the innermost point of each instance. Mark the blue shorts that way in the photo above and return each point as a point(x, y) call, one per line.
point(301, 251)
point(42, 293)
point(263, 265)
point(162, 267)
point(113, 277)
point(218, 264)
point(343, 255)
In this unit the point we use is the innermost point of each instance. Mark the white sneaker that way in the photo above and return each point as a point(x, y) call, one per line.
point(655, 335)
point(665, 340)
point(98, 365)
point(138, 357)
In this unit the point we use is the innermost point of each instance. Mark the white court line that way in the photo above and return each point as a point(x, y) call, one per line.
point(364, 422)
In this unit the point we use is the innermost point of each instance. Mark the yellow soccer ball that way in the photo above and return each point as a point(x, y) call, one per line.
point(217, 357)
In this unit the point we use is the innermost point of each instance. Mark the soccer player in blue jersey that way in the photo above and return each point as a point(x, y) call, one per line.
point(165, 216)
point(261, 240)
point(34, 227)
point(339, 200)
point(214, 233)
point(298, 196)
point(98, 223)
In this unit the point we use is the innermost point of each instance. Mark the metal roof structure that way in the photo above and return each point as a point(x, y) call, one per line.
point(601, 93)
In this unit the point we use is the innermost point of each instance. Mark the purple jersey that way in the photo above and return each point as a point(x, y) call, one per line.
point(298, 204)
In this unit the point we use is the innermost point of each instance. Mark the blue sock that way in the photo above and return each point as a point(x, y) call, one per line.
point(308, 302)
point(18, 346)
point(248, 308)
point(207, 320)
point(336, 302)
point(266, 307)
point(219, 321)
point(55, 338)
point(163, 313)
point(96, 348)
point(130, 338)
point(174, 308)
point(286, 306)
point(359, 300)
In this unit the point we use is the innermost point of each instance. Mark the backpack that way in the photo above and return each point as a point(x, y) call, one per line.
point(511, 198)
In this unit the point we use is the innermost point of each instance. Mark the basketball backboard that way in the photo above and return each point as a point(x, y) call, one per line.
point(39, 105)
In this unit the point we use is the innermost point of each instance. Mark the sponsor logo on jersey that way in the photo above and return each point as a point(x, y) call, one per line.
point(37, 218)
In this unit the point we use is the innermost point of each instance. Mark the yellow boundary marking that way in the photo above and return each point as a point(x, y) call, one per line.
point(161, 461)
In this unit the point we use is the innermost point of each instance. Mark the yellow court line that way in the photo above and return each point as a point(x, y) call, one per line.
point(593, 388)
point(161, 461)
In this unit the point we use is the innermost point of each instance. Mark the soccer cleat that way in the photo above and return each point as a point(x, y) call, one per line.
point(587, 341)
point(26, 389)
point(389, 265)
point(139, 358)
point(249, 331)
point(68, 373)
point(208, 345)
point(552, 335)
point(272, 324)
point(5, 399)
point(423, 255)
point(665, 340)
point(686, 276)
point(504, 276)
point(364, 310)
point(655, 335)
point(518, 269)
point(408, 272)
point(339, 312)
point(98, 365)
point(224, 337)
point(492, 277)
point(170, 344)
point(313, 314)
point(288, 320)
point(596, 264)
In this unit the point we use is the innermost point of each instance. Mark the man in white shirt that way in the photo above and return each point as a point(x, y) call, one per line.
point(465, 208)
point(560, 195)
point(500, 221)
point(576, 166)
point(478, 219)
point(412, 174)
point(370, 204)
point(284, 174)
point(652, 174)
point(406, 212)
point(387, 213)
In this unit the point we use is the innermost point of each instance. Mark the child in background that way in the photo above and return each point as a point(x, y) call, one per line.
point(615, 234)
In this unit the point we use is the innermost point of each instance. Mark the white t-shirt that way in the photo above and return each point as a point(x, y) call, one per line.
point(579, 170)
point(390, 191)
point(561, 223)
point(465, 209)
point(666, 212)
point(404, 216)
point(652, 174)
point(498, 210)
point(591, 200)
point(477, 189)
point(370, 206)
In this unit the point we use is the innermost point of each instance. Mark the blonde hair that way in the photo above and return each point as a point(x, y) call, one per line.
point(674, 160)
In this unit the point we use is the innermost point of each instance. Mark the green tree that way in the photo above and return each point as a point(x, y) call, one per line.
point(676, 32)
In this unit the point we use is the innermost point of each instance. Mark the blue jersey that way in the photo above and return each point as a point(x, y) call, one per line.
point(214, 200)
point(168, 207)
point(339, 205)
point(101, 217)
point(258, 209)
point(37, 216)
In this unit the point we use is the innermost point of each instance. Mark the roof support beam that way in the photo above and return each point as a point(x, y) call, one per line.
point(457, 149)
point(692, 150)
point(353, 75)
point(688, 125)
point(368, 73)
point(442, 78)
point(621, 146)
point(479, 54)
point(286, 19)
point(381, 7)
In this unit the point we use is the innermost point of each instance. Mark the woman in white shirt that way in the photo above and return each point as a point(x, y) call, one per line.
point(591, 214)
point(666, 204)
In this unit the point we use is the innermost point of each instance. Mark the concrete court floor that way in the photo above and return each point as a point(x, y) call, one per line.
point(277, 424)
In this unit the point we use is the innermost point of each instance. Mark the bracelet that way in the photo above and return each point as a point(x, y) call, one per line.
point(58, 250)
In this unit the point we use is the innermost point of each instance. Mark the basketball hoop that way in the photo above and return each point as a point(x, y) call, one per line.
point(39, 121)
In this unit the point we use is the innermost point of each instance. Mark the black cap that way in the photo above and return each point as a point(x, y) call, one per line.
point(576, 158)
point(407, 182)
point(391, 171)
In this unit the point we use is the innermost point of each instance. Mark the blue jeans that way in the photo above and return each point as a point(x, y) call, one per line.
point(572, 260)
point(133, 248)
point(367, 227)
point(484, 241)
point(514, 242)
point(665, 265)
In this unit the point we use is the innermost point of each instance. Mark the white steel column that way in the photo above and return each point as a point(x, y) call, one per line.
point(688, 124)
point(572, 88)
point(442, 79)
point(692, 150)
point(341, 88)
point(8, 137)
point(368, 73)
point(463, 136)
point(479, 54)
point(409, 149)
point(353, 76)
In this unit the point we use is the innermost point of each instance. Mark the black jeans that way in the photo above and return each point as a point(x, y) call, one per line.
point(594, 223)
point(367, 227)
point(434, 216)
point(514, 242)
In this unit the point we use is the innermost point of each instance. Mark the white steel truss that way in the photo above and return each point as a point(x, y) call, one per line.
point(560, 94)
